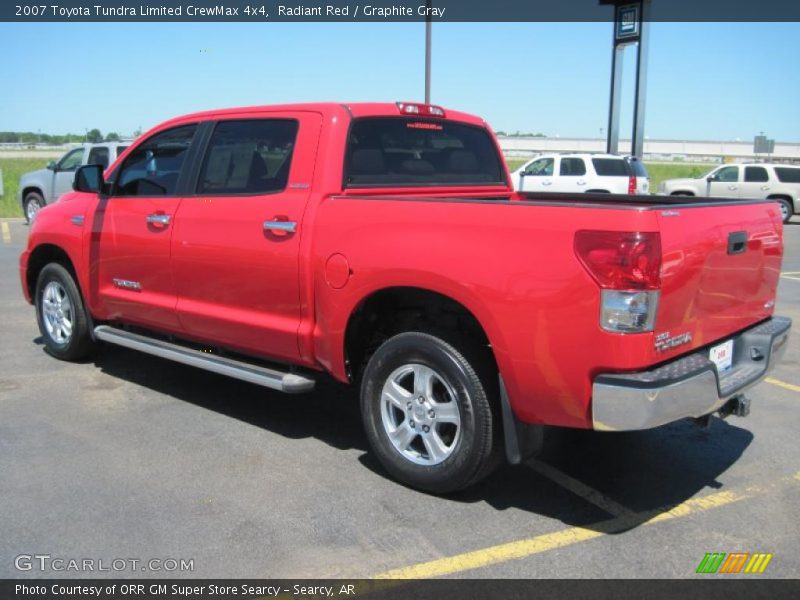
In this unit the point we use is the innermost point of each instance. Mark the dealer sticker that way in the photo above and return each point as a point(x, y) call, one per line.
point(722, 355)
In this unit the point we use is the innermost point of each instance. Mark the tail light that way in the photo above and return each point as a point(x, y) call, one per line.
point(412, 108)
point(627, 267)
point(632, 185)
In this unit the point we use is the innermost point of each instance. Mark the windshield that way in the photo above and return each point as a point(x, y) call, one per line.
point(403, 151)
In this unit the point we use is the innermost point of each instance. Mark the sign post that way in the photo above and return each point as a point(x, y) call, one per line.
point(630, 27)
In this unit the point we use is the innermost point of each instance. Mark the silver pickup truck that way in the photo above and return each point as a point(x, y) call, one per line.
point(43, 187)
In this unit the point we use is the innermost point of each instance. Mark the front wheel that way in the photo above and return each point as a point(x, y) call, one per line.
point(427, 411)
point(32, 204)
point(61, 314)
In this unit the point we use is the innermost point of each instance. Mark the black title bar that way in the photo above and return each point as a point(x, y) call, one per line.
point(264, 11)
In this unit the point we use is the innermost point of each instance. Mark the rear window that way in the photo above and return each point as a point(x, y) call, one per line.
point(402, 151)
point(638, 168)
point(788, 174)
point(610, 167)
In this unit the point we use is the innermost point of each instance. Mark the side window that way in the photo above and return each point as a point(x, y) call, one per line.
point(788, 174)
point(728, 174)
point(71, 160)
point(152, 169)
point(248, 157)
point(572, 167)
point(755, 174)
point(98, 156)
point(121, 149)
point(541, 167)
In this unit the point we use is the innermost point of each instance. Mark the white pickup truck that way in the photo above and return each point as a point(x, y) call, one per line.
point(40, 188)
point(753, 181)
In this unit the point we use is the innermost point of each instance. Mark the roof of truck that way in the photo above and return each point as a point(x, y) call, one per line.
point(353, 109)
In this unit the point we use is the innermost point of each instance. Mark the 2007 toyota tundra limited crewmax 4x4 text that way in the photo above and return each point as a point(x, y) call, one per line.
point(384, 244)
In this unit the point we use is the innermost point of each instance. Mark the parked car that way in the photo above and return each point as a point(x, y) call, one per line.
point(591, 173)
point(749, 181)
point(383, 244)
point(43, 187)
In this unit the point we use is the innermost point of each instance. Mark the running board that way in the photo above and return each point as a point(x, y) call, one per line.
point(291, 383)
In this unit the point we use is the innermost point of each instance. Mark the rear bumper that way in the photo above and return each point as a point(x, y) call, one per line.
point(689, 386)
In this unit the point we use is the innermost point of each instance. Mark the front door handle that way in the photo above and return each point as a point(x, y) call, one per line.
point(283, 226)
point(158, 219)
point(732, 187)
point(547, 182)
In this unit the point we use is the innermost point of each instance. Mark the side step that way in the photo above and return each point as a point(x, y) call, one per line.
point(290, 383)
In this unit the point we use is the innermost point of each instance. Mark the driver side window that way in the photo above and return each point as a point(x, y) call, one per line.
point(542, 167)
point(153, 168)
point(728, 174)
point(71, 160)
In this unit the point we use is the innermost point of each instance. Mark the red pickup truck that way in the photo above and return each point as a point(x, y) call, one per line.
point(384, 244)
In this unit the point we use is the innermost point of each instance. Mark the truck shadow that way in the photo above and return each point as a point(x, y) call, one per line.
point(644, 472)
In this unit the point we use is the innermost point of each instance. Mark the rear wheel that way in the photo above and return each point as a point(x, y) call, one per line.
point(61, 315)
point(786, 209)
point(32, 204)
point(427, 411)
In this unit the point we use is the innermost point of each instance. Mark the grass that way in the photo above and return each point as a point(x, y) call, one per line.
point(659, 171)
point(12, 169)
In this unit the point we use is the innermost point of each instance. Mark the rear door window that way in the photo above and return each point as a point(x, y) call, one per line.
point(788, 174)
point(403, 151)
point(610, 167)
point(755, 174)
point(98, 156)
point(572, 167)
point(248, 157)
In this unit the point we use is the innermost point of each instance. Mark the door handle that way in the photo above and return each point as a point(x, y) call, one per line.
point(764, 188)
point(284, 226)
point(547, 183)
point(158, 219)
point(732, 187)
point(581, 182)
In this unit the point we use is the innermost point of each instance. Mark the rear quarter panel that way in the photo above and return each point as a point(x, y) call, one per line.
point(512, 264)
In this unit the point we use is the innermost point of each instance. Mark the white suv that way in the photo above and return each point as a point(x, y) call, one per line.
point(597, 173)
point(752, 181)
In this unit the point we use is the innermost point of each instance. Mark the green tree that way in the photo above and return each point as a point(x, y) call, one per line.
point(112, 136)
point(94, 136)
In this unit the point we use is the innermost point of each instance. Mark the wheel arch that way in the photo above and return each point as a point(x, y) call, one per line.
point(42, 255)
point(786, 197)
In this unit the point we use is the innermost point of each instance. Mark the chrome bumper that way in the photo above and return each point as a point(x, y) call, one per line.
point(689, 386)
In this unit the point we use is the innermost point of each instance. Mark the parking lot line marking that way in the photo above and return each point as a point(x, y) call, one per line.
point(792, 276)
point(579, 488)
point(6, 233)
point(783, 384)
point(500, 553)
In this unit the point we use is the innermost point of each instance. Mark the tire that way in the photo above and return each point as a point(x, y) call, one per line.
point(786, 209)
point(31, 205)
point(441, 437)
point(61, 315)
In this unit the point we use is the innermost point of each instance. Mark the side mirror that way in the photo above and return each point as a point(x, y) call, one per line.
point(51, 165)
point(89, 179)
point(711, 178)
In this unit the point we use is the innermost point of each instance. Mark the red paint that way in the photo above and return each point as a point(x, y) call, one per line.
point(215, 275)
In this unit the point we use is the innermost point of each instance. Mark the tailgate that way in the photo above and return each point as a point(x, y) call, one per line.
point(720, 272)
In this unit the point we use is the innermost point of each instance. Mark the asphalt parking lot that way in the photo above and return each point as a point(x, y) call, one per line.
point(130, 456)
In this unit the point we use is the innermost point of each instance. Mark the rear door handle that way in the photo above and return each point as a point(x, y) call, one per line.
point(581, 182)
point(284, 226)
point(158, 219)
point(765, 187)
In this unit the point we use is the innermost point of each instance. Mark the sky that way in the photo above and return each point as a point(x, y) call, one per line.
point(706, 81)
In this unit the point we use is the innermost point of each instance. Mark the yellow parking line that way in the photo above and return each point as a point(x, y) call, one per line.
point(6, 232)
point(783, 384)
point(579, 488)
point(566, 537)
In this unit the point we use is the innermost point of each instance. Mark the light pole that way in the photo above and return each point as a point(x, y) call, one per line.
point(428, 27)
